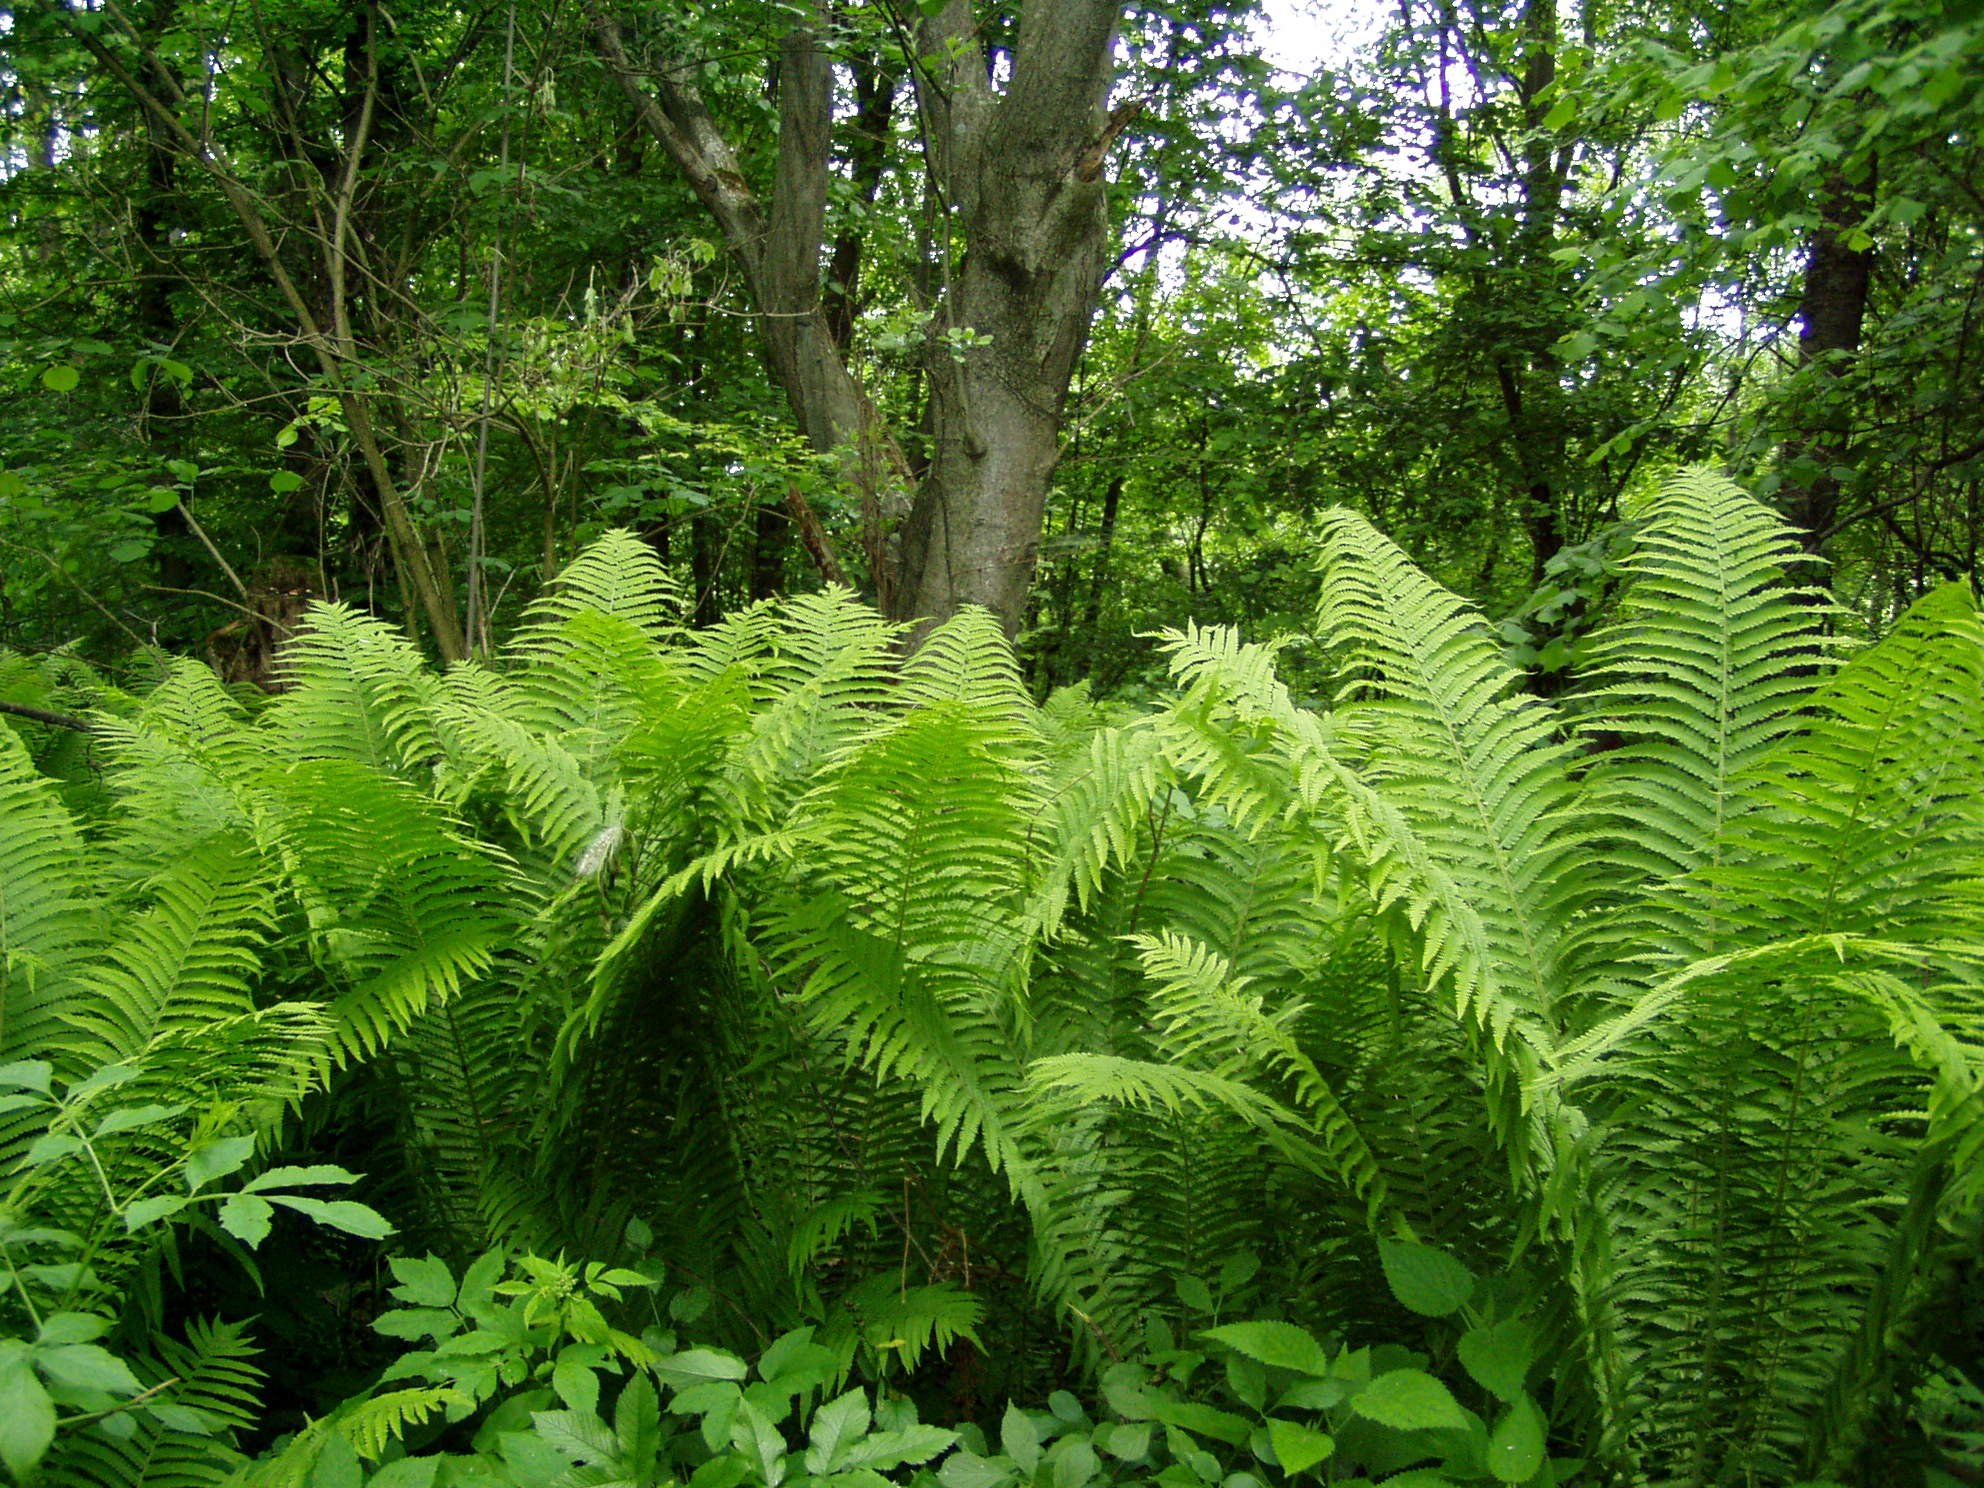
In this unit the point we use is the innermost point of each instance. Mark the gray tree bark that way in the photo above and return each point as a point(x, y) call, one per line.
point(1014, 177)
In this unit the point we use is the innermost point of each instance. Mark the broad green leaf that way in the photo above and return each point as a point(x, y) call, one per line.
point(884, 1450)
point(130, 1118)
point(1129, 1441)
point(834, 1425)
point(700, 1366)
point(415, 1322)
point(1282, 1345)
point(152, 1210)
point(1430, 1282)
point(85, 1366)
point(246, 1218)
point(969, 1470)
point(339, 1214)
point(51, 1147)
point(1020, 1439)
point(1297, 1447)
point(217, 1160)
point(1072, 1460)
point(1515, 1448)
point(61, 379)
point(1408, 1400)
point(1499, 1357)
point(637, 1422)
point(104, 1077)
point(760, 1443)
point(27, 1074)
point(423, 1281)
point(574, 1381)
point(72, 1327)
point(408, 1472)
point(27, 1415)
point(303, 1177)
point(579, 1434)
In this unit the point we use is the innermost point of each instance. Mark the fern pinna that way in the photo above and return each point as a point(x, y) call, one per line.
point(863, 989)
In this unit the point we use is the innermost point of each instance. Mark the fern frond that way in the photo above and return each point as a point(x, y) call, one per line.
point(1468, 761)
point(356, 689)
point(47, 918)
point(1700, 670)
point(213, 1374)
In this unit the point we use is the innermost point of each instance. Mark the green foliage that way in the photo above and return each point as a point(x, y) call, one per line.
point(1617, 1054)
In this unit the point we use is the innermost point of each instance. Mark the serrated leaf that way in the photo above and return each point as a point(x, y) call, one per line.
point(1408, 1400)
point(885, 1450)
point(835, 1424)
point(1297, 1447)
point(423, 1281)
point(51, 1147)
point(1515, 1447)
point(579, 1434)
point(85, 1366)
point(760, 1442)
point(27, 1415)
point(300, 1177)
point(1498, 1357)
point(152, 1210)
point(340, 1214)
point(1019, 1439)
point(246, 1218)
point(969, 1470)
point(1429, 1282)
point(637, 1422)
point(1281, 1345)
point(130, 1118)
point(575, 1383)
point(216, 1160)
point(72, 1327)
point(700, 1366)
point(413, 1323)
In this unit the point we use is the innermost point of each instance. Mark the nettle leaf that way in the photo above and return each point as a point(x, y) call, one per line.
point(1282, 1345)
point(1297, 1447)
point(1498, 1357)
point(1515, 1448)
point(1409, 1400)
point(1430, 1282)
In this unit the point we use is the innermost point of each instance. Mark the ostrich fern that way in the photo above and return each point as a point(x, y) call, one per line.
point(863, 983)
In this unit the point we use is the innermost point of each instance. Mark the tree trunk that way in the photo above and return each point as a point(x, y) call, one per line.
point(1832, 309)
point(1017, 177)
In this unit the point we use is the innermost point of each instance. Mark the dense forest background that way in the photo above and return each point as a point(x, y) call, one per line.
point(864, 744)
point(403, 307)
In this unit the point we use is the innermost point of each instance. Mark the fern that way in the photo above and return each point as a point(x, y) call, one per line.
point(208, 1381)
